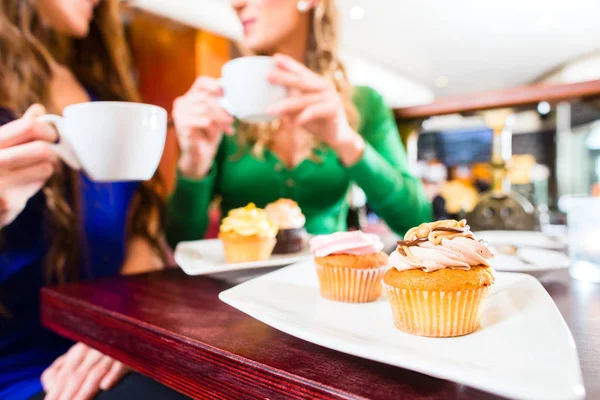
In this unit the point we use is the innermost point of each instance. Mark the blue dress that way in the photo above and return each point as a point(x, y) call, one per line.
point(26, 348)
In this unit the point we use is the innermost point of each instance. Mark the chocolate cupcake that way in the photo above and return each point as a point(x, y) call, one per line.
point(288, 217)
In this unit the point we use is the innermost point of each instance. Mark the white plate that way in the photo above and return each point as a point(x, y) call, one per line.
point(523, 349)
point(529, 260)
point(204, 257)
point(522, 239)
point(555, 231)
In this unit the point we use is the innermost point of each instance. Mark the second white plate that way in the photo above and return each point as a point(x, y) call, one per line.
point(533, 261)
point(522, 350)
point(205, 257)
point(523, 239)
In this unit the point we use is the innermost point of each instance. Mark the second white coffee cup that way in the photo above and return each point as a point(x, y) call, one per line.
point(111, 141)
point(247, 92)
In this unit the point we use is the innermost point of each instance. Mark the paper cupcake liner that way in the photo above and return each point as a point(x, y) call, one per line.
point(437, 314)
point(351, 285)
point(253, 249)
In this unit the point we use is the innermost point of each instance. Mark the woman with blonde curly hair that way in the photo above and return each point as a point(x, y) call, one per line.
point(56, 225)
point(327, 135)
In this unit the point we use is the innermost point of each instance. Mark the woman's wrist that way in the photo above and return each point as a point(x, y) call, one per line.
point(349, 147)
point(192, 170)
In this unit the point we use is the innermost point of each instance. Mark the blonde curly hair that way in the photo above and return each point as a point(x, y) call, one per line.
point(322, 58)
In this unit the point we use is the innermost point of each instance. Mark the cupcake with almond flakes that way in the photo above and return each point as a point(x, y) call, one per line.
point(439, 279)
point(350, 266)
point(247, 235)
point(288, 217)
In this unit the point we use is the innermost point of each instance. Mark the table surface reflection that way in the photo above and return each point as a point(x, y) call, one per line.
point(173, 328)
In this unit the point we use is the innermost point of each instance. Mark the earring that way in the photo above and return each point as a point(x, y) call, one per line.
point(302, 6)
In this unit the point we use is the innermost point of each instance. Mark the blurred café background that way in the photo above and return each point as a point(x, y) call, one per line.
point(496, 101)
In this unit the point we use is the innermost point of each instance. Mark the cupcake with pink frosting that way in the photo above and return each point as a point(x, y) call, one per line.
point(439, 279)
point(350, 266)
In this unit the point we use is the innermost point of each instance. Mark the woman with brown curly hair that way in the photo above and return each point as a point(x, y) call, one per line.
point(56, 225)
point(328, 133)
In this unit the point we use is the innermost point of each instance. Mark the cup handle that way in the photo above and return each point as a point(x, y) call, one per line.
point(63, 148)
point(223, 101)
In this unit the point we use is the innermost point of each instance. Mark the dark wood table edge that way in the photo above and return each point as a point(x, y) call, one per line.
point(249, 376)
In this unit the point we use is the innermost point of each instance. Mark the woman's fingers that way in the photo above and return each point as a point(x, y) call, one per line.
point(91, 385)
point(288, 63)
point(117, 371)
point(293, 80)
point(210, 107)
point(208, 85)
point(194, 112)
point(213, 133)
point(192, 125)
point(27, 129)
point(24, 130)
point(199, 122)
point(198, 102)
point(80, 374)
point(77, 377)
point(73, 358)
point(199, 110)
point(34, 111)
point(14, 196)
point(27, 154)
point(17, 186)
point(295, 104)
point(198, 129)
point(20, 177)
point(326, 109)
point(212, 111)
point(51, 372)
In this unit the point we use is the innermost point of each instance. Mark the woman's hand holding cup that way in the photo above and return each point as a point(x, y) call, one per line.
point(313, 103)
point(200, 123)
point(26, 161)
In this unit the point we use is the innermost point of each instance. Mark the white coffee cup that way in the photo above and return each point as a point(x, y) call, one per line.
point(247, 92)
point(111, 141)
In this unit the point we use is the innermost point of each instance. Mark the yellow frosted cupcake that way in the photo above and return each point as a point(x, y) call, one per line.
point(247, 235)
point(439, 280)
point(350, 266)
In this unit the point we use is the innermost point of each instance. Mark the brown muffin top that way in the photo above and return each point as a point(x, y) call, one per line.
point(442, 280)
point(374, 260)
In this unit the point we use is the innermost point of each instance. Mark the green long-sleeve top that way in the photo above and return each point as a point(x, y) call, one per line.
point(319, 184)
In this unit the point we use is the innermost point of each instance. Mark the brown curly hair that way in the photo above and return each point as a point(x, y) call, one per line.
point(102, 63)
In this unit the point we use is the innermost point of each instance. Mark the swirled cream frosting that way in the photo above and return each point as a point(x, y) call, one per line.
point(441, 244)
point(286, 214)
point(248, 221)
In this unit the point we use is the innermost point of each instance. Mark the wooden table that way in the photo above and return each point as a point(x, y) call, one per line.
point(173, 328)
